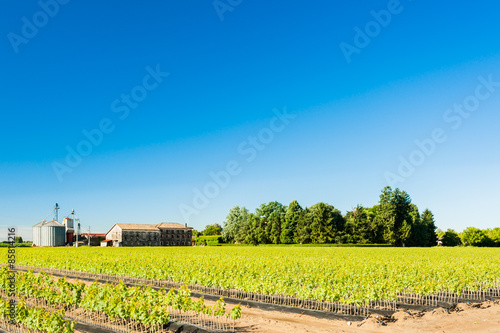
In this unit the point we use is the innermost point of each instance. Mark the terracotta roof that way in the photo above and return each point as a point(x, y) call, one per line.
point(149, 227)
point(130, 226)
point(171, 225)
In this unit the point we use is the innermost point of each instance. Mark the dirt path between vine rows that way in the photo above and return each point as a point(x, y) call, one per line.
point(480, 317)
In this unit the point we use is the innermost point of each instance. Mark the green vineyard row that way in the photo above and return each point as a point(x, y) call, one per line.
point(346, 275)
point(33, 319)
point(118, 303)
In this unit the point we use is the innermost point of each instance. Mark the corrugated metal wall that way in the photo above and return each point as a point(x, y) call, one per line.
point(37, 236)
point(49, 236)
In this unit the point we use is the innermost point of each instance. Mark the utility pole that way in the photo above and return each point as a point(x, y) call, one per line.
point(89, 236)
point(76, 224)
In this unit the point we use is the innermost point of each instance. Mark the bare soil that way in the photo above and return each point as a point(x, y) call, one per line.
point(480, 317)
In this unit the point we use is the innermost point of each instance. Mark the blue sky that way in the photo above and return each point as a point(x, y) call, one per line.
point(75, 67)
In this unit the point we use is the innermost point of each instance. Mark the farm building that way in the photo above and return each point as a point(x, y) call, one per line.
point(70, 231)
point(94, 238)
point(49, 233)
point(162, 234)
point(53, 233)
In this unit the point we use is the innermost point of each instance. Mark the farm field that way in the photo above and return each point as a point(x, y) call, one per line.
point(48, 303)
point(345, 275)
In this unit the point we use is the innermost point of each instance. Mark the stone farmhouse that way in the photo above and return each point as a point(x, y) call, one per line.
point(162, 234)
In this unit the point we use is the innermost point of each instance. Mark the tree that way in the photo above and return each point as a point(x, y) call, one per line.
point(212, 230)
point(474, 237)
point(234, 223)
point(377, 226)
point(327, 223)
point(357, 226)
point(304, 227)
point(430, 225)
point(418, 233)
point(395, 207)
point(18, 239)
point(423, 231)
point(254, 233)
point(289, 227)
point(450, 238)
point(271, 215)
point(494, 236)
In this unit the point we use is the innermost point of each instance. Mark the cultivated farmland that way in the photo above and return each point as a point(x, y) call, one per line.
point(356, 276)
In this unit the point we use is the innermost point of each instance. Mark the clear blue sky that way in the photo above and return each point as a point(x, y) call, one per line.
point(69, 68)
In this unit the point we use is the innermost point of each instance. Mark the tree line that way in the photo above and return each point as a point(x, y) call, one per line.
point(395, 220)
point(469, 237)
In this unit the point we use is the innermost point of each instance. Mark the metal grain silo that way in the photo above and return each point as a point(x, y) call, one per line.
point(49, 233)
point(37, 233)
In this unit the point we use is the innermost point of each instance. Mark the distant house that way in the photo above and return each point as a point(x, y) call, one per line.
point(94, 238)
point(162, 234)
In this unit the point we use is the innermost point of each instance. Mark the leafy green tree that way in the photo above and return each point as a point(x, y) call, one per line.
point(395, 207)
point(430, 224)
point(327, 223)
point(254, 234)
point(304, 227)
point(272, 215)
point(377, 226)
point(494, 236)
point(358, 226)
point(289, 227)
point(423, 230)
point(451, 238)
point(212, 230)
point(474, 237)
point(234, 223)
point(18, 239)
point(418, 234)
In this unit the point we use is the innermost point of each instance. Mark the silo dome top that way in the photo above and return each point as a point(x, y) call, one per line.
point(52, 223)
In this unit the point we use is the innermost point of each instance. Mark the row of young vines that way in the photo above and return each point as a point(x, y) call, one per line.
point(33, 319)
point(350, 276)
point(133, 309)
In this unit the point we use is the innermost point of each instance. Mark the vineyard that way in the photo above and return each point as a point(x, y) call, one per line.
point(355, 281)
point(34, 319)
point(44, 302)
